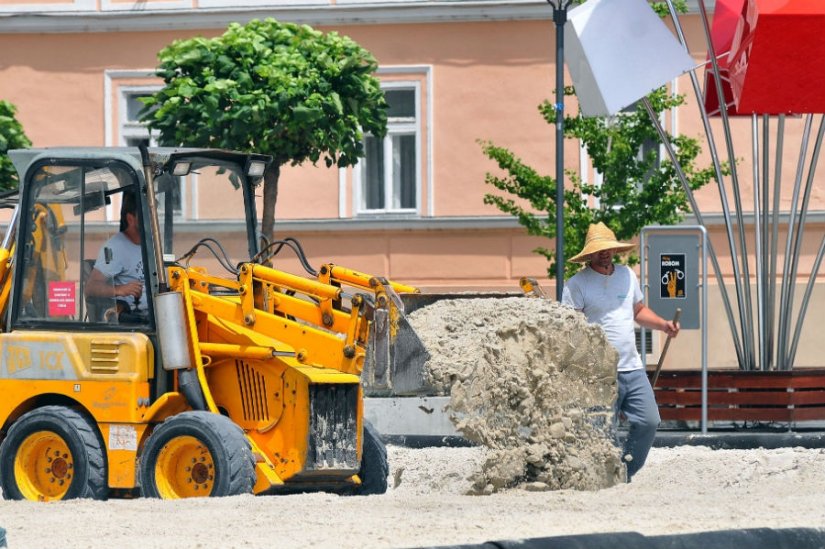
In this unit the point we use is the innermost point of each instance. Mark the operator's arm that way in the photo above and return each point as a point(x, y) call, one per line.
point(99, 286)
point(644, 316)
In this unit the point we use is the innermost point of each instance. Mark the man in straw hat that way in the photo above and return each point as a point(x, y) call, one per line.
point(608, 294)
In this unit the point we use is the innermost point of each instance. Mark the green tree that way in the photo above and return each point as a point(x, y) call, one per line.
point(638, 188)
point(275, 88)
point(11, 137)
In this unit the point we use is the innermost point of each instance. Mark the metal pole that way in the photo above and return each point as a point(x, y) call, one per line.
point(644, 286)
point(743, 283)
point(784, 306)
point(800, 231)
point(705, 241)
point(777, 189)
point(805, 299)
point(765, 335)
point(723, 196)
point(559, 18)
point(760, 316)
point(686, 186)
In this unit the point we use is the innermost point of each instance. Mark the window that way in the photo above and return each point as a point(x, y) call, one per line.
point(649, 146)
point(389, 173)
point(134, 133)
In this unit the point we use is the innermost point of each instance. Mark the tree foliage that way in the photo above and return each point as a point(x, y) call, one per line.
point(275, 88)
point(11, 137)
point(637, 189)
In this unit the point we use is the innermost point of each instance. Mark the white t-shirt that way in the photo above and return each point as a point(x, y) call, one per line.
point(126, 266)
point(609, 300)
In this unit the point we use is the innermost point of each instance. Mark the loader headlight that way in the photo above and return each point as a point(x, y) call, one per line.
point(181, 169)
point(256, 168)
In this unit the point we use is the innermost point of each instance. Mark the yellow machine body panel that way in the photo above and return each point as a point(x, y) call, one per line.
point(302, 419)
point(122, 441)
point(105, 374)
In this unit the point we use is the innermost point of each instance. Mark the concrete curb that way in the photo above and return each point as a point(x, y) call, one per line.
point(664, 439)
point(756, 538)
point(741, 440)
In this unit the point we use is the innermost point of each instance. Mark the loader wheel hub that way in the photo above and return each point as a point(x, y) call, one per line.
point(200, 473)
point(44, 467)
point(184, 469)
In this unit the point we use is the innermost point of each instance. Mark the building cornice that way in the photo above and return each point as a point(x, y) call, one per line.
point(713, 220)
point(360, 13)
point(325, 15)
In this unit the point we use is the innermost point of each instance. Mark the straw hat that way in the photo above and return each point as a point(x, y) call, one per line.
point(599, 238)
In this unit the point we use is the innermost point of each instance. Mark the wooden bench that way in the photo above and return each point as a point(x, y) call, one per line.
point(734, 395)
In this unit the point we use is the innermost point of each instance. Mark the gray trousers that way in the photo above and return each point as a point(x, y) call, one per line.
point(638, 405)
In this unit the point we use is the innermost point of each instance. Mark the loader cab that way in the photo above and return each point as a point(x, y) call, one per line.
point(72, 219)
point(64, 228)
point(225, 183)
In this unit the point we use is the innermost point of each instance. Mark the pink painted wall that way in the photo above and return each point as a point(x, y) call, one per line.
point(487, 81)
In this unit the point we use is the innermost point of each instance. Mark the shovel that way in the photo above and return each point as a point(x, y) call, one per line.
point(664, 351)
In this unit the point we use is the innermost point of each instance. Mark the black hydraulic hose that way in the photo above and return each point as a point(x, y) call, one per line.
point(222, 257)
point(268, 253)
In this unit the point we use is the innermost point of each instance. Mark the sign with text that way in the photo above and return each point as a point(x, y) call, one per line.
point(62, 298)
point(672, 276)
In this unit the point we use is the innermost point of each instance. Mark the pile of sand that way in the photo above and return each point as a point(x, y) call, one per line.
point(531, 381)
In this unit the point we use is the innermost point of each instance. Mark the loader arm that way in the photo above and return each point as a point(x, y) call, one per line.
point(264, 357)
point(396, 358)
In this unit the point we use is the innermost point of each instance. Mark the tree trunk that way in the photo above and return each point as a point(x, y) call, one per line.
point(271, 176)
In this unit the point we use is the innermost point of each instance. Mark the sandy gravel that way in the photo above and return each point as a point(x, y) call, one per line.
point(533, 382)
point(685, 489)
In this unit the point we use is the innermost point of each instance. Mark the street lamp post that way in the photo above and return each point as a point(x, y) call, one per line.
point(560, 18)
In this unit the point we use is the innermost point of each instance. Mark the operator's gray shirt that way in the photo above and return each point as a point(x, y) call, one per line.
point(126, 265)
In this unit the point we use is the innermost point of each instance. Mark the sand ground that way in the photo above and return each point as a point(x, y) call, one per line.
point(685, 489)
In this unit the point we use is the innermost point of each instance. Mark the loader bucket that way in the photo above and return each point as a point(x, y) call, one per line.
point(396, 358)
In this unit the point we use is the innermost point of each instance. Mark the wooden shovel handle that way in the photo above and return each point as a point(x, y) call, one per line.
point(664, 351)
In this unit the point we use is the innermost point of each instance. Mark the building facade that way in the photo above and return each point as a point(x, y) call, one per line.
point(455, 72)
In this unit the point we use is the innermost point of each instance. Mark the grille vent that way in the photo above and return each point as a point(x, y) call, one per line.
point(333, 434)
point(252, 386)
point(104, 356)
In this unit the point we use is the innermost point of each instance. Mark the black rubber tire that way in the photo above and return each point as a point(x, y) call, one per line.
point(231, 453)
point(87, 457)
point(375, 467)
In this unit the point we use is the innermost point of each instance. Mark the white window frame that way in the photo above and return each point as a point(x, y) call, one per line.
point(130, 129)
point(412, 127)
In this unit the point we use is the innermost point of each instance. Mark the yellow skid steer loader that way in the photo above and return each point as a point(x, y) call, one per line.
point(238, 379)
